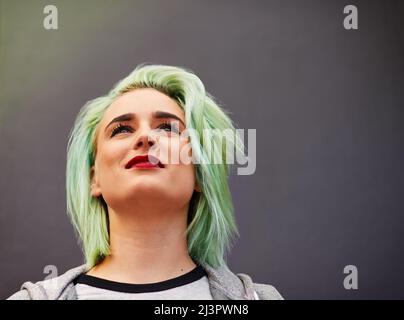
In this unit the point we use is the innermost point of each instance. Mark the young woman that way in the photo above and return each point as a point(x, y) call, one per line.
point(152, 223)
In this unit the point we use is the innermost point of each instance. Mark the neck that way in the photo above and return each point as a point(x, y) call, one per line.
point(147, 245)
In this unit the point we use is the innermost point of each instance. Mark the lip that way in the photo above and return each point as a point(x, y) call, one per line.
point(144, 162)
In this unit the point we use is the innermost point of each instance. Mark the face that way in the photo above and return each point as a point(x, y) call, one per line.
point(142, 122)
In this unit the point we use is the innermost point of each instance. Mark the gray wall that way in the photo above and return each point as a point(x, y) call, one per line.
point(327, 104)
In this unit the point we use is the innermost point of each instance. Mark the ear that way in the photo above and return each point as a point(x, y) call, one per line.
point(95, 187)
point(197, 188)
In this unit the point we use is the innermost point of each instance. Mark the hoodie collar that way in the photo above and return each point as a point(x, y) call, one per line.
point(223, 283)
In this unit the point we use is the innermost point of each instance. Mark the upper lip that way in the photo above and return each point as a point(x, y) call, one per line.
point(143, 158)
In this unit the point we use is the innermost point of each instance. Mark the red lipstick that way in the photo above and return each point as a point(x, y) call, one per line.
point(144, 162)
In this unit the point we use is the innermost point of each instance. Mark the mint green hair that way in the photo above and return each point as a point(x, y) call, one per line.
point(211, 221)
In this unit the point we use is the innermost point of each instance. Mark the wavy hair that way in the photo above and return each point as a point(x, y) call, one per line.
point(211, 223)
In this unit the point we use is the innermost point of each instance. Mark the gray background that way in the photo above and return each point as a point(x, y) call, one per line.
point(327, 104)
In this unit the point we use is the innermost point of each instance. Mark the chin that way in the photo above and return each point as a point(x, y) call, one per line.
point(148, 188)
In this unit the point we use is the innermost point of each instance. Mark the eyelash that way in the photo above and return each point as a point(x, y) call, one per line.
point(120, 127)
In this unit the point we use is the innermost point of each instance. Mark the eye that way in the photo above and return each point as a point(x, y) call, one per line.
point(120, 128)
point(170, 127)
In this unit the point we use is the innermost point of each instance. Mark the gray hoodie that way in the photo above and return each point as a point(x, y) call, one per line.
point(223, 283)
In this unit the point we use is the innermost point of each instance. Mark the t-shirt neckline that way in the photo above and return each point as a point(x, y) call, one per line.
point(195, 274)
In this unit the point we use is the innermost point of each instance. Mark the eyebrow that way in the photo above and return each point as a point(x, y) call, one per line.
point(156, 115)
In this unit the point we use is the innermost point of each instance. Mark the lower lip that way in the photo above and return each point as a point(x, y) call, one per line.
point(146, 165)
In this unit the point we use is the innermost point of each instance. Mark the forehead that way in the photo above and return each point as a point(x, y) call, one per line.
point(142, 102)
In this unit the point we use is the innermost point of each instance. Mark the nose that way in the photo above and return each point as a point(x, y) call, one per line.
point(145, 139)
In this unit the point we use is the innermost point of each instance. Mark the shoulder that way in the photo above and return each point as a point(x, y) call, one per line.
point(261, 291)
point(225, 284)
point(20, 295)
point(49, 289)
point(267, 292)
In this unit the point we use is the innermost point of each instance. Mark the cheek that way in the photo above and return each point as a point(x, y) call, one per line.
point(110, 157)
point(181, 168)
point(114, 151)
point(182, 176)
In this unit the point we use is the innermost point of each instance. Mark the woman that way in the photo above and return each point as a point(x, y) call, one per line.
point(153, 225)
